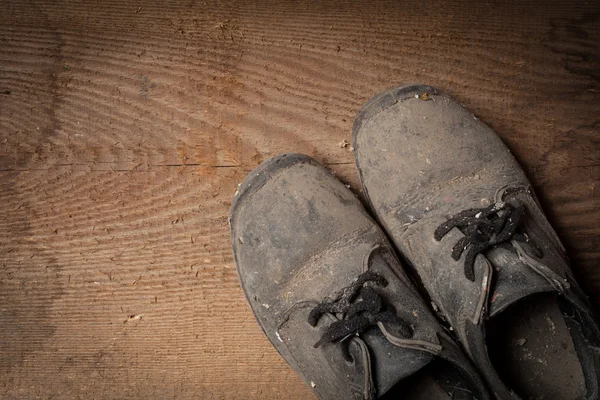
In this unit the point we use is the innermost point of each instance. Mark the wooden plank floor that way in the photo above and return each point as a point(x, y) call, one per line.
point(125, 128)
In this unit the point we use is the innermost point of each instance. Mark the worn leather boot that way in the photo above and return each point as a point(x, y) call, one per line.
point(329, 293)
point(459, 208)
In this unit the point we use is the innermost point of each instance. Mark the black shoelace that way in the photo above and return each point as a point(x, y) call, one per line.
point(360, 306)
point(483, 228)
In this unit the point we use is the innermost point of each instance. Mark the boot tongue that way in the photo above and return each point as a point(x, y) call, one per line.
point(392, 363)
point(514, 279)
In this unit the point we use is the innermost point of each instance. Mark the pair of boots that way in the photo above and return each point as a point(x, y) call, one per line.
point(483, 303)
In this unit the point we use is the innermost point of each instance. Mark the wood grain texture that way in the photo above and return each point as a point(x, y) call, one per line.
point(125, 128)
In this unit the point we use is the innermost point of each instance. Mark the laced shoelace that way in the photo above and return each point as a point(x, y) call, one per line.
point(360, 306)
point(484, 228)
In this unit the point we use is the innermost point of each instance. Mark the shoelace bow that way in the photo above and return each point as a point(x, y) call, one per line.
point(361, 307)
point(484, 228)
